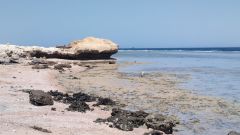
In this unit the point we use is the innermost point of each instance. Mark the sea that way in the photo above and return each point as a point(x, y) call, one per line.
point(211, 71)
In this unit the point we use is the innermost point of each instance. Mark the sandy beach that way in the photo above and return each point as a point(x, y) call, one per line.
point(154, 93)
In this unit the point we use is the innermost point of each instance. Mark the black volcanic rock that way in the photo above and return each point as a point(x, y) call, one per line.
point(83, 97)
point(105, 101)
point(40, 98)
point(78, 106)
point(125, 120)
point(161, 122)
point(65, 98)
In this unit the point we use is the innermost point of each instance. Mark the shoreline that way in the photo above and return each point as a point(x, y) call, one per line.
point(156, 93)
point(153, 93)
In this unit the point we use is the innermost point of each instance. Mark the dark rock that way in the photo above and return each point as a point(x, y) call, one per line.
point(233, 133)
point(78, 106)
point(77, 55)
point(161, 122)
point(53, 109)
point(13, 61)
point(41, 129)
point(83, 97)
point(68, 100)
point(61, 97)
point(65, 98)
point(112, 62)
point(154, 132)
point(40, 98)
point(135, 118)
point(105, 101)
point(117, 111)
point(123, 123)
point(75, 77)
point(100, 120)
point(37, 61)
point(88, 66)
point(56, 93)
point(58, 98)
point(125, 120)
point(62, 66)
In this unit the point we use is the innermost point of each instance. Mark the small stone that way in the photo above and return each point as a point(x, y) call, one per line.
point(112, 62)
point(74, 77)
point(53, 109)
point(154, 132)
point(41, 129)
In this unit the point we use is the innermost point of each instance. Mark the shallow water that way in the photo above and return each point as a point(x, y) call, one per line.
point(211, 73)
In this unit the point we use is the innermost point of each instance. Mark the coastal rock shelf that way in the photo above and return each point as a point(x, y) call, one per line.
point(87, 49)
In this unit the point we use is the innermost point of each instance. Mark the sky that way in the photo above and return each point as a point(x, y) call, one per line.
point(129, 23)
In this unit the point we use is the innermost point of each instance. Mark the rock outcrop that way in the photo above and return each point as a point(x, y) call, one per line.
point(87, 49)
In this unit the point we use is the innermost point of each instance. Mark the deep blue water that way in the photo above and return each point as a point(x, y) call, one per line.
point(189, 49)
point(212, 71)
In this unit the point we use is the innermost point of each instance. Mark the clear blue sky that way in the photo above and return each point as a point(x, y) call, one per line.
point(138, 23)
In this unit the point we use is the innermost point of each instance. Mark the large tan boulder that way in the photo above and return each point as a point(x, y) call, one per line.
point(86, 49)
point(94, 44)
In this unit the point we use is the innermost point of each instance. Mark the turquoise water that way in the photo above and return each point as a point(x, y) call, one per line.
point(212, 73)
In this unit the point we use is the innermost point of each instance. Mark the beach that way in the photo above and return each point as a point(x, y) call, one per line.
point(155, 92)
